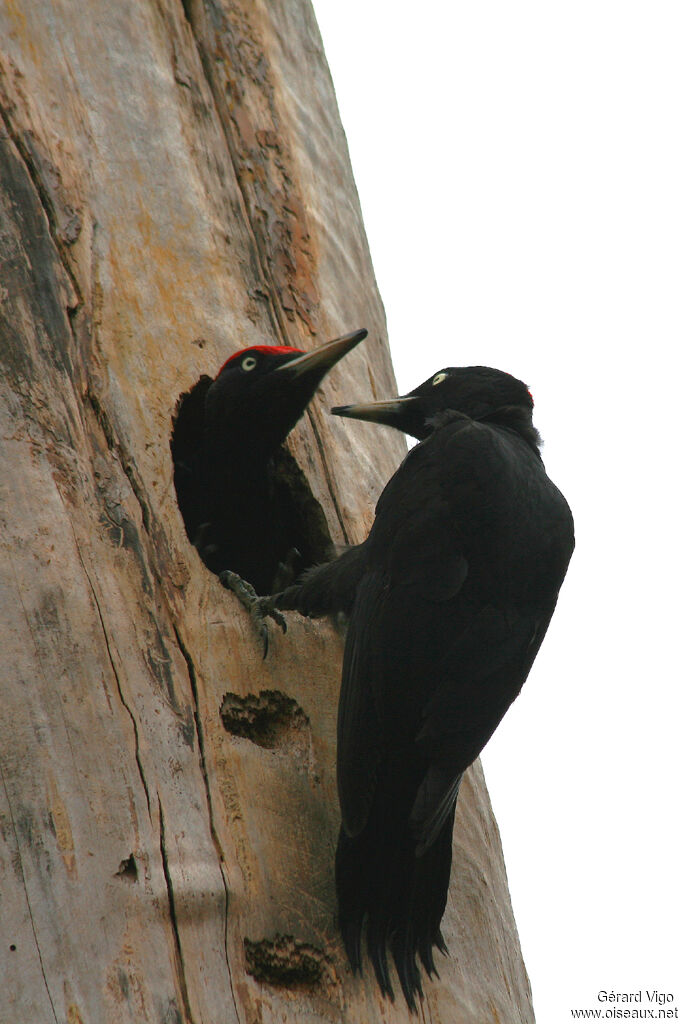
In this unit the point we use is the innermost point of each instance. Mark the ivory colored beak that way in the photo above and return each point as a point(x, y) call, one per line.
point(376, 412)
point(322, 359)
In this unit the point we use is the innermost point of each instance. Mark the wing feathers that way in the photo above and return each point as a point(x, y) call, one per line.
point(359, 730)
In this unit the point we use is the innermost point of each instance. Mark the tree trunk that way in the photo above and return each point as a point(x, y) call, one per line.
point(175, 185)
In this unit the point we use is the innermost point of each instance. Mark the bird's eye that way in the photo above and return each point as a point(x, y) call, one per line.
point(248, 363)
point(439, 379)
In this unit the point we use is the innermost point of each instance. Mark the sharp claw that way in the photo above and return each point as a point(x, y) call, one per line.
point(258, 617)
point(266, 607)
point(259, 608)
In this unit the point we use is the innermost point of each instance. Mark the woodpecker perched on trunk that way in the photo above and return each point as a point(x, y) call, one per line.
point(448, 600)
point(238, 508)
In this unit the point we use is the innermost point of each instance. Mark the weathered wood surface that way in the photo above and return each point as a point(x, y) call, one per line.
point(174, 184)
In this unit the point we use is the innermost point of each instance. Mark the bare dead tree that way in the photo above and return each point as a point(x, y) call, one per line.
point(175, 185)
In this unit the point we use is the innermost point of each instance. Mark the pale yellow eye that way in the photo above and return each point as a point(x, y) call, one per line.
point(439, 379)
point(248, 363)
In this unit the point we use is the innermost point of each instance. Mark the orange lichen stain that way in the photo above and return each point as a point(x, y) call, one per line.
point(62, 826)
point(155, 281)
point(371, 378)
point(72, 1015)
point(16, 14)
point(125, 982)
point(23, 32)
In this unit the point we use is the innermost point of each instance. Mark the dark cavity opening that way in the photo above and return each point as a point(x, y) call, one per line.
point(128, 869)
point(270, 719)
point(260, 521)
point(284, 961)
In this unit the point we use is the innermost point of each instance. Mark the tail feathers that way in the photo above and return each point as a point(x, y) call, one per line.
point(377, 937)
point(351, 932)
point(403, 950)
point(426, 952)
point(399, 896)
point(435, 801)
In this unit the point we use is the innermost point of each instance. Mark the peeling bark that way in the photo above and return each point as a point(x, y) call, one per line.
point(175, 185)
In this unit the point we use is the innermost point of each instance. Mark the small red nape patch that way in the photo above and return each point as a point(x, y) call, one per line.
point(269, 349)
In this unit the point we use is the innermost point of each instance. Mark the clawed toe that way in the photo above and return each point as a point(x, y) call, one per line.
point(259, 608)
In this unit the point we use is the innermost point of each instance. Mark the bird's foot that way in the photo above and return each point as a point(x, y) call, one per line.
point(259, 608)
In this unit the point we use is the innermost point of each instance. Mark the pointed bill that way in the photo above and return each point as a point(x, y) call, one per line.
point(322, 359)
point(388, 412)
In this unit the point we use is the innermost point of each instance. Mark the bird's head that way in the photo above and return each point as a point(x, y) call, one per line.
point(479, 392)
point(261, 392)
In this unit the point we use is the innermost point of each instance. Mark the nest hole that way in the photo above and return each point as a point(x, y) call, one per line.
point(268, 534)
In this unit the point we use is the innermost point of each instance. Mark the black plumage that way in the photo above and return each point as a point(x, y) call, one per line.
point(448, 600)
point(243, 499)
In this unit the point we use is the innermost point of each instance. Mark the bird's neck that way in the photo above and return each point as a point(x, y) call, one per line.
point(248, 439)
point(517, 419)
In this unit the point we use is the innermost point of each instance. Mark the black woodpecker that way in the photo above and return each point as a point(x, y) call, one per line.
point(448, 599)
point(231, 473)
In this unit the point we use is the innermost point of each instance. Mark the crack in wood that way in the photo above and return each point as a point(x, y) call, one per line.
point(31, 160)
point(105, 634)
point(182, 981)
point(192, 676)
point(266, 286)
point(117, 449)
point(28, 902)
point(328, 475)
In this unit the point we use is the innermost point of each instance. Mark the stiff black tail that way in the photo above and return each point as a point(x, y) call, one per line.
point(402, 896)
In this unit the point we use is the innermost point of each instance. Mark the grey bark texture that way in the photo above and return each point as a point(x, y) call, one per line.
point(175, 185)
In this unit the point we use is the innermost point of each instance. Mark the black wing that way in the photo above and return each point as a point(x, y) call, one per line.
point(446, 623)
point(414, 569)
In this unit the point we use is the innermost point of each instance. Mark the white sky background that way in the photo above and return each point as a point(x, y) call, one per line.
point(520, 168)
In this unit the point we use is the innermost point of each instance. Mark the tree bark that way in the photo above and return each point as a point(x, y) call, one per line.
point(175, 185)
